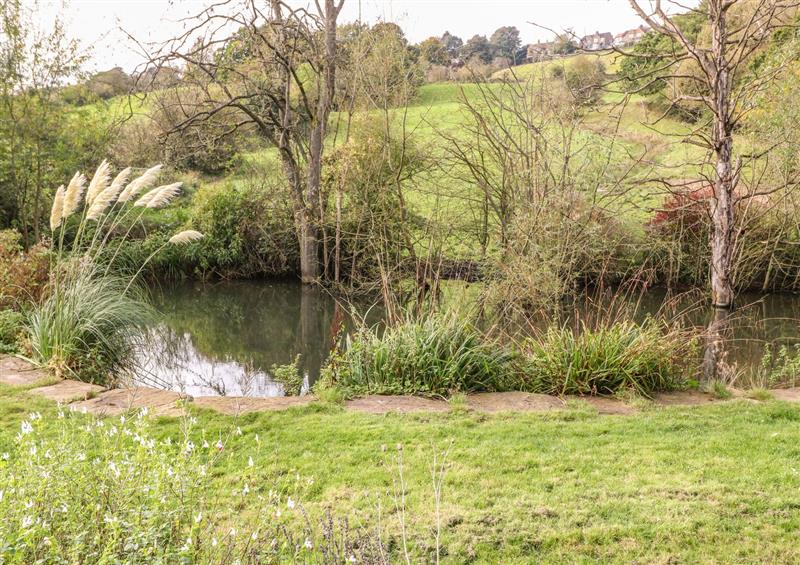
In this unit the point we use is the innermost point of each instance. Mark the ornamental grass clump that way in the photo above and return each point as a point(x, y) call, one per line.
point(617, 357)
point(86, 323)
point(438, 355)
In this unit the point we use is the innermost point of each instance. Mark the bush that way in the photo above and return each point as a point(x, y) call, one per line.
point(439, 355)
point(11, 325)
point(23, 275)
point(249, 228)
point(622, 356)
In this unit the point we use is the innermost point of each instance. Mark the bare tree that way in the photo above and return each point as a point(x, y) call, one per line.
point(273, 68)
point(723, 85)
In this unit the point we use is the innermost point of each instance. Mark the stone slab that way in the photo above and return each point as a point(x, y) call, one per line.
point(118, 401)
point(18, 372)
point(67, 391)
point(235, 405)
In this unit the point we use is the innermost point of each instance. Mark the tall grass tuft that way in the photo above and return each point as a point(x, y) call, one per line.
point(86, 323)
point(620, 356)
point(438, 355)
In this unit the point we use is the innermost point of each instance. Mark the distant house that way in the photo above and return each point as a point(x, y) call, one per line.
point(630, 37)
point(539, 51)
point(597, 41)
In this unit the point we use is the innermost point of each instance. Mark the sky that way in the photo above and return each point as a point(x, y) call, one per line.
point(98, 24)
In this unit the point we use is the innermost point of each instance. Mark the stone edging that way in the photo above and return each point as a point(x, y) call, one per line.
point(97, 400)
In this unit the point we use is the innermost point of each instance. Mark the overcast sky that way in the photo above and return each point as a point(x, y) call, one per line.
point(97, 22)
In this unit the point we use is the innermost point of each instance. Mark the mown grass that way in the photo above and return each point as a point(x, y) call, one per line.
point(711, 484)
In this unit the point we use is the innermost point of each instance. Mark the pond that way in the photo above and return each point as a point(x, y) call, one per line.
point(224, 338)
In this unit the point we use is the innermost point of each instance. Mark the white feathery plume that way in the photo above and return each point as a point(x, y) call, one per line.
point(99, 183)
point(106, 198)
point(164, 195)
point(145, 199)
point(186, 236)
point(120, 180)
point(57, 209)
point(72, 197)
point(139, 184)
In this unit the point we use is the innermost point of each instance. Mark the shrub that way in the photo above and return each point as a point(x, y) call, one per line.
point(290, 376)
point(11, 325)
point(621, 356)
point(439, 355)
point(250, 230)
point(22, 274)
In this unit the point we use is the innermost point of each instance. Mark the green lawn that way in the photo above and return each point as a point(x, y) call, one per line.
point(673, 485)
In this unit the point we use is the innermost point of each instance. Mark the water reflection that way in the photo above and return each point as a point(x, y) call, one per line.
point(224, 338)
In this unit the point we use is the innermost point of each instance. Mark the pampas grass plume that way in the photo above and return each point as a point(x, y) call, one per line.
point(58, 208)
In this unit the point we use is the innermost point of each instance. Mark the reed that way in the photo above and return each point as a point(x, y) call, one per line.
point(610, 359)
point(440, 354)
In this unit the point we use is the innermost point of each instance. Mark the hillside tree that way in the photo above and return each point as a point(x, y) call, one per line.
point(273, 67)
point(724, 86)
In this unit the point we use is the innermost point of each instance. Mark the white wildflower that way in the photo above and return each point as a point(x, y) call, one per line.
point(26, 427)
point(290, 503)
point(27, 522)
point(308, 544)
point(250, 461)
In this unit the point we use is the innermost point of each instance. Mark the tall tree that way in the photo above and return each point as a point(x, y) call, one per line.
point(452, 43)
point(505, 42)
point(737, 30)
point(277, 72)
point(40, 139)
point(477, 46)
point(433, 51)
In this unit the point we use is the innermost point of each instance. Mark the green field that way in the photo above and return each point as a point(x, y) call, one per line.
point(713, 484)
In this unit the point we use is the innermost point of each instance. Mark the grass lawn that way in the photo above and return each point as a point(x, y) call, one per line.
point(707, 484)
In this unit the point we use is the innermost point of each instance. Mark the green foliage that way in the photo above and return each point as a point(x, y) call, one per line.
point(289, 376)
point(505, 42)
point(780, 367)
point(438, 355)
point(249, 228)
point(623, 356)
point(87, 327)
point(11, 326)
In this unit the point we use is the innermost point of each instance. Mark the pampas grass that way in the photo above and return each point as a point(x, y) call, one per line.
point(165, 195)
point(186, 236)
point(57, 208)
point(140, 184)
point(87, 322)
point(73, 195)
point(99, 182)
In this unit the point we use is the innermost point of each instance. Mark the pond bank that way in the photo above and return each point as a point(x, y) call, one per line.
point(97, 400)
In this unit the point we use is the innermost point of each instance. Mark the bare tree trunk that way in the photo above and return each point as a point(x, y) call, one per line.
point(724, 185)
point(310, 266)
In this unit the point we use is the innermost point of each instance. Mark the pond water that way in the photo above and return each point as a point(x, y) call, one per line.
point(224, 338)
